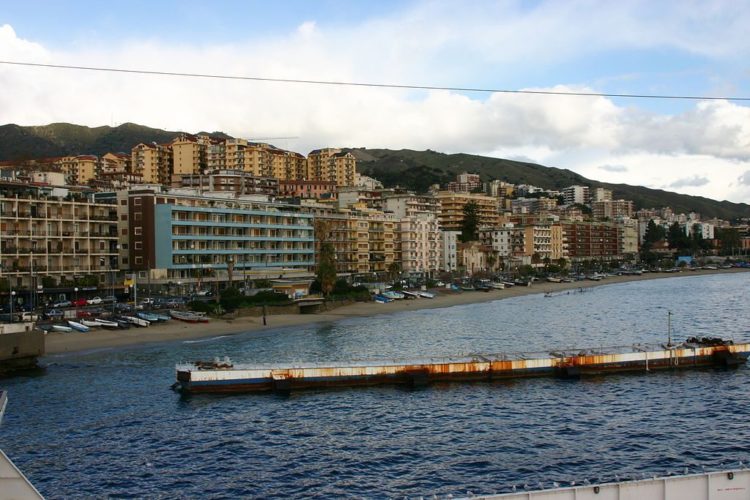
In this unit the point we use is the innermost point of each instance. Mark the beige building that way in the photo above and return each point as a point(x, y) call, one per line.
point(50, 237)
point(332, 164)
point(409, 204)
point(79, 170)
point(114, 163)
point(418, 243)
point(153, 162)
point(612, 209)
point(451, 209)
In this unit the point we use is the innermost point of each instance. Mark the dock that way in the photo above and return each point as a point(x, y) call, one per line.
point(225, 376)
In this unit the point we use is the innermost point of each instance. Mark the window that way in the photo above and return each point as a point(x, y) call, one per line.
point(125, 260)
point(136, 201)
point(138, 260)
point(124, 232)
point(138, 245)
point(137, 216)
point(124, 217)
point(138, 230)
point(123, 202)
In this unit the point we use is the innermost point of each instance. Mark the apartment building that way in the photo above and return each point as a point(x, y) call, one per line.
point(465, 183)
point(189, 154)
point(576, 195)
point(612, 209)
point(79, 170)
point(188, 237)
point(601, 194)
point(450, 250)
point(332, 164)
point(114, 163)
point(499, 239)
point(588, 240)
point(307, 189)
point(56, 238)
point(418, 244)
point(409, 204)
point(152, 162)
point(451, 209)
point(228, 181)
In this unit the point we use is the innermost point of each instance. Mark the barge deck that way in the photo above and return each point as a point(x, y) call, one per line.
point(224, 376)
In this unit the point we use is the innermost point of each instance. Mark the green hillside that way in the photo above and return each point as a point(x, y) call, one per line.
point(418, 170)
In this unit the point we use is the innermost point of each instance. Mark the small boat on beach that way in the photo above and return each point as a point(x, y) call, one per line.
point(104, 323)
point(90, 323)
point(426, 295)
point(134, 320)
point(78, 326)
point(122, 323)
point(151, 318)
point(161, 317)
point(393, 295)
point(61, 328)
point(188, 316)
point(497, 285)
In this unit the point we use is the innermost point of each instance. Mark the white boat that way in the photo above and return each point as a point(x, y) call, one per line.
point(78, 326)
point(62, 328)
point(188, 316)
point(426, 295)
point(137, 321)
point(553, 279)
point(90, 323)
point(410, 295)
point(106, 323)
point(3, 403)
point(393, 295)
point(508, 284)
point(497, 285)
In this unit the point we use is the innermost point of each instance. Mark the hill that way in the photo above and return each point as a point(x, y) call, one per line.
point(418, 170)
point(62, 139)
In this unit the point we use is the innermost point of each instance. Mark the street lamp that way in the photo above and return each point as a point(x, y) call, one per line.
point(76, 290)
point(12, 299)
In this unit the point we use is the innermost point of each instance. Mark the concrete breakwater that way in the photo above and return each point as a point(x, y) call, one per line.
point(20, 346)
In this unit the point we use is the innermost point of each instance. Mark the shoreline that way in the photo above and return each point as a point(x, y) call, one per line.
point(174, 330)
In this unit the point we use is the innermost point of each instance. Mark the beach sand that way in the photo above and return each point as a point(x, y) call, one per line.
point(57, 343)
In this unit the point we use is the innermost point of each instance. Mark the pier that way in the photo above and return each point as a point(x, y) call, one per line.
point(225, 376)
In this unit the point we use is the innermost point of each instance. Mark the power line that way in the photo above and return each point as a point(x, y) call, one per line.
point(376, 85)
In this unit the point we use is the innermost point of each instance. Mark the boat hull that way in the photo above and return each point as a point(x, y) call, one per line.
point(192, 379)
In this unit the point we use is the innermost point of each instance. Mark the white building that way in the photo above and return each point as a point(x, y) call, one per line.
point(576, 194)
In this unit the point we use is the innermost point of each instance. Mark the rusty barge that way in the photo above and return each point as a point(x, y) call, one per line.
point(224, 376)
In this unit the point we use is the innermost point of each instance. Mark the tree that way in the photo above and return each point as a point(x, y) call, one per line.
point(327, 268)
point(470, 224)
point(677, 238)
point(729, 240)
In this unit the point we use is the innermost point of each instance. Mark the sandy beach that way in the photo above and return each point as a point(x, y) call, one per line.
point(57, 343)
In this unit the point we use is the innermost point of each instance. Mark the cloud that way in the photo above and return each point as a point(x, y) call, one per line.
point(424, 43)
point(613, 168)
point(745, 178)
point(694, 181)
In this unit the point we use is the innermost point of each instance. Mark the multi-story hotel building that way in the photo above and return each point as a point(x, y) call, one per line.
point(56, 238)
point(307, 189)
point(184, 237)
point(612, 209)
point(189, 154)
point(332, 164)
point(114, 163)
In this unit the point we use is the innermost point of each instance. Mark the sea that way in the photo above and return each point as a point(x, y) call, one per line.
point(105, 424)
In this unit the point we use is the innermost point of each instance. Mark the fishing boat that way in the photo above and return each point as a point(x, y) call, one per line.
point(497, 285)
point(393, 295)
point(161, 317)
point(426, 295)
point(78, 326)
point(228, 377)
point(134, 320)
point(382, 299)
point(90, 323)
point(61, 328)
point(410, 295)
point(189, 317)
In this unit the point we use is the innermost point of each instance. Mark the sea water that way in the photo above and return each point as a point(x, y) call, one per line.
point(105, 424)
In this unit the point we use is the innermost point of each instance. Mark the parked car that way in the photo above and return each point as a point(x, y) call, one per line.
point(109, 300)
point(79, 302)
point(62, 303)
point(94, 301)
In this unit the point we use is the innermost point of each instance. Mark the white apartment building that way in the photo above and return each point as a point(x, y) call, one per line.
point(450, 250)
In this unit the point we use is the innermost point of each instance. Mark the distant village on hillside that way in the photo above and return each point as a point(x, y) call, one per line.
point(202, 209)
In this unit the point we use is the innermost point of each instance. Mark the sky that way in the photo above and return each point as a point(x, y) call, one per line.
point(698, 48)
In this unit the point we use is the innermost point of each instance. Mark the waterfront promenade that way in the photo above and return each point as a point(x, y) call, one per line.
point(57, 343)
